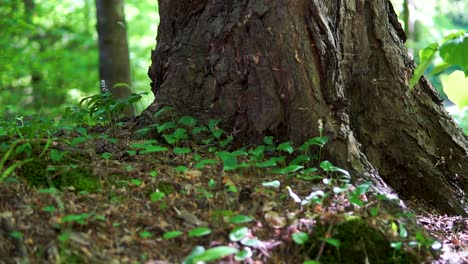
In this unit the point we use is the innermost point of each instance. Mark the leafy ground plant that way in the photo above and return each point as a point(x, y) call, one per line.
point(197, 197)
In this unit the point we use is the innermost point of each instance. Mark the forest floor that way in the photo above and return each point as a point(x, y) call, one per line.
point(98, 195)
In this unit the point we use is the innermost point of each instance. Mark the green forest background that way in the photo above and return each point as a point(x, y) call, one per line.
point(49, 58)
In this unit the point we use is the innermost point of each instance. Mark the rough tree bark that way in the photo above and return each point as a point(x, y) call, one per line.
point(114, 60)
point(277, 67)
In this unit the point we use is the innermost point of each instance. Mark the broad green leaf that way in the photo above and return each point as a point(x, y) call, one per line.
point(188, 121)
point(425, 58)
point(195, 252)
point(162, 111)
point(456, 87)
point(286, 147)
point(240, 219)
point(300, 159)
point(268, 140)
point(165, 126)
point(199, 231)
point(226, 142)
point(403, 232)
point(332, 241)
point(455, 52)
point(180, 151)
point(156, 196)
point(243, 254)
point(172, 234)
point(229, 160)
point(362, 189)
point(145, 234)
point(152, 149)
point(317, 141)
point(238, 233)
point(204, 162)
point(215, 253)
point(300, 238)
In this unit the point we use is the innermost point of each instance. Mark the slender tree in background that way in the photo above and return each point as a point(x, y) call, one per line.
point(114, 61)
point(278, 67)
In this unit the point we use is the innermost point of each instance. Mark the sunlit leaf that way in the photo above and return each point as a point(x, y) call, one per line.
point(172, 234)
point(425, 58)
point(240, 219)
point(243, 254)
point(456, 87)
point(300, 238)
point(215, 253)
point(199, 231)
point(238, 233)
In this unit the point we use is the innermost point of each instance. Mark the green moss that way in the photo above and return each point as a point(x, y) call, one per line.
point(37, 175)
point(359, 243)
point(166, 187)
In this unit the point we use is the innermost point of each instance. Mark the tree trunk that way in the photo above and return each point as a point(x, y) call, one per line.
point(279, 67)
point(114, 61)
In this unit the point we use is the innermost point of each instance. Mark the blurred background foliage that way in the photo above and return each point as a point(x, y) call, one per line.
point(49, 55)
point(428, 22)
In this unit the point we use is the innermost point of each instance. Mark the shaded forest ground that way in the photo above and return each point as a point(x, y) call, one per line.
point(115, 194)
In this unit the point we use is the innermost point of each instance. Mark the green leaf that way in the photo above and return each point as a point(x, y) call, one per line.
point(56, 155)
point(300, 238)
point(238, 233)
point(268, 140)
point(188, 121)
point(286, 147)
point(403, 232)
point(195, 252)
point(240, 219)
point(425, 58)
point(332, 241)
point(252, 242)
point(226, 142)
point(145, 234)
point(215, 253)
point(172, 234)
point(374, 211)
point(156, 196)
point(49, 209)
point(204, 162)
point(199, 231)
point(16, 234)
point(243, 254)
point(311, 262)
point(397, 245)
point(181, 151)
point(300, 159)
point(317, 141)
point(181, 168)
point(152, 149)
point(136, 182)
point(165, 126)
point(455, 52)
point(229, 160)
point(362, 189)
point(162, 111)
point(456, 87)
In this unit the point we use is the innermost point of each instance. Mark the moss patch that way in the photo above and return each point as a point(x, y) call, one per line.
point(37, 175)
